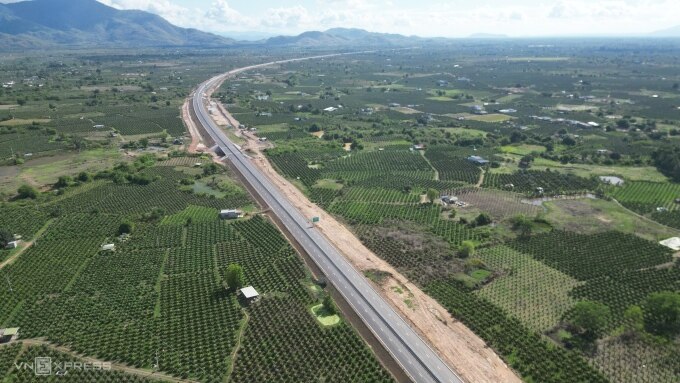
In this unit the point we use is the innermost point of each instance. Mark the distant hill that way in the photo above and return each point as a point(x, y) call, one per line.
point(344, 37)
point(669, 32)
point(487, 36)
point(54, 23)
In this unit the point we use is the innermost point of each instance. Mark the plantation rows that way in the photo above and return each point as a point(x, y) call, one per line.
point(387, 196)
point(380, 161)
point(648, 194)
point(163, 193)
point(668, 218)
point(197, 311)
point(333, 354)
point(586, 257)
point(29, 144)
point(621, 290)
point(284, 135)
point(151, 121)
point(192, 212)
point(525, 351)
point(551, 182)
point(453, 167)
point(322, 196)
point(321, 153)
point(73, 125)
point(536, 294)
point(638, 360)
point(161, 293)
point(375, 213)
point(180, 161)
point(294, 166)
point(405, 181)
point(91, 375)
point(24, 220)
point(83, 225)
point(369, 213)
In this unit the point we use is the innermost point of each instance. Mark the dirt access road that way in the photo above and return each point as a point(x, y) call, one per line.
point(464, 351)
point(149, 374)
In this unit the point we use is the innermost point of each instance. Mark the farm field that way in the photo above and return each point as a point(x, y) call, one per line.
point(161, 297)
point(501, 217)
point(529, 236)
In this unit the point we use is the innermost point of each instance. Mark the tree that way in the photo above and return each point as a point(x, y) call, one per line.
point(84, 177)
point(467, 249)
point(63, 181)
point(126, 227)
point(522, 225)
point(590, 317)
point(623, 124)
point(329, 305)
point(235, 278)
point(27, 191)
point(210, 169)
point(633, 321)
point(432, 195)
point(483, 219)
point(6, 237)
point(662, 313)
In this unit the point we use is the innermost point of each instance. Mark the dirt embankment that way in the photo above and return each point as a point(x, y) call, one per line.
point(464, 351)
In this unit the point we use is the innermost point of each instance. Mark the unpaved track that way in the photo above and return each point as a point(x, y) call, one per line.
point(149, 374)
point(464, 351)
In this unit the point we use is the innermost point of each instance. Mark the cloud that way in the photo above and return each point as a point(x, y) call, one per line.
point(426, 17)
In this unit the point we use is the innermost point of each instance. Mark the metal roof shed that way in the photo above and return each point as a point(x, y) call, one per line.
point(249, 292)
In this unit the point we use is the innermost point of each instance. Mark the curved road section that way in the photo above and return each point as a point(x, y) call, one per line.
point(412, 353)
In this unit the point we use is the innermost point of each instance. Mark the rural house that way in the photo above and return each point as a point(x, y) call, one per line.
point(477, 160)
point(230, 214)
point(9, 334)
point(248, 293)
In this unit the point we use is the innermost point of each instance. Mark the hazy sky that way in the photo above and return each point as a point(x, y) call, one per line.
point(450, 18)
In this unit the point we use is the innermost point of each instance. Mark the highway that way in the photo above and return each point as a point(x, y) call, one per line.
point(408, 349)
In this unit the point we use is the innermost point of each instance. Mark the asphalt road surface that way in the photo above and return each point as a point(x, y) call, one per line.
point(409, 350)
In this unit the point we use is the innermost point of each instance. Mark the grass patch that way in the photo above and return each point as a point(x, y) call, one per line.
point(590, 216)
point(197, 214)
point(327, 183)
point(522, 150)
point(535, 293)
point(377, 276)
point(21, 121)
point(480, 274)
point(201, 188)
point(491, 117)
point(324, 317)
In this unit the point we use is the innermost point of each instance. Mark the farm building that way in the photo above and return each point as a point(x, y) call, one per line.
point(99, 126)
point(248, 293)
point(478, 109)
point(230, 214)
point(419, 147)
point(330, 109)
point(9, 334)
point(12, 245)
point(108, 247)
point(477, 160)
point(448, 199)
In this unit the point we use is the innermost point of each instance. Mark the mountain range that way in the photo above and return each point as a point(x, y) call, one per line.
point(73, 23)
point(42, 24)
